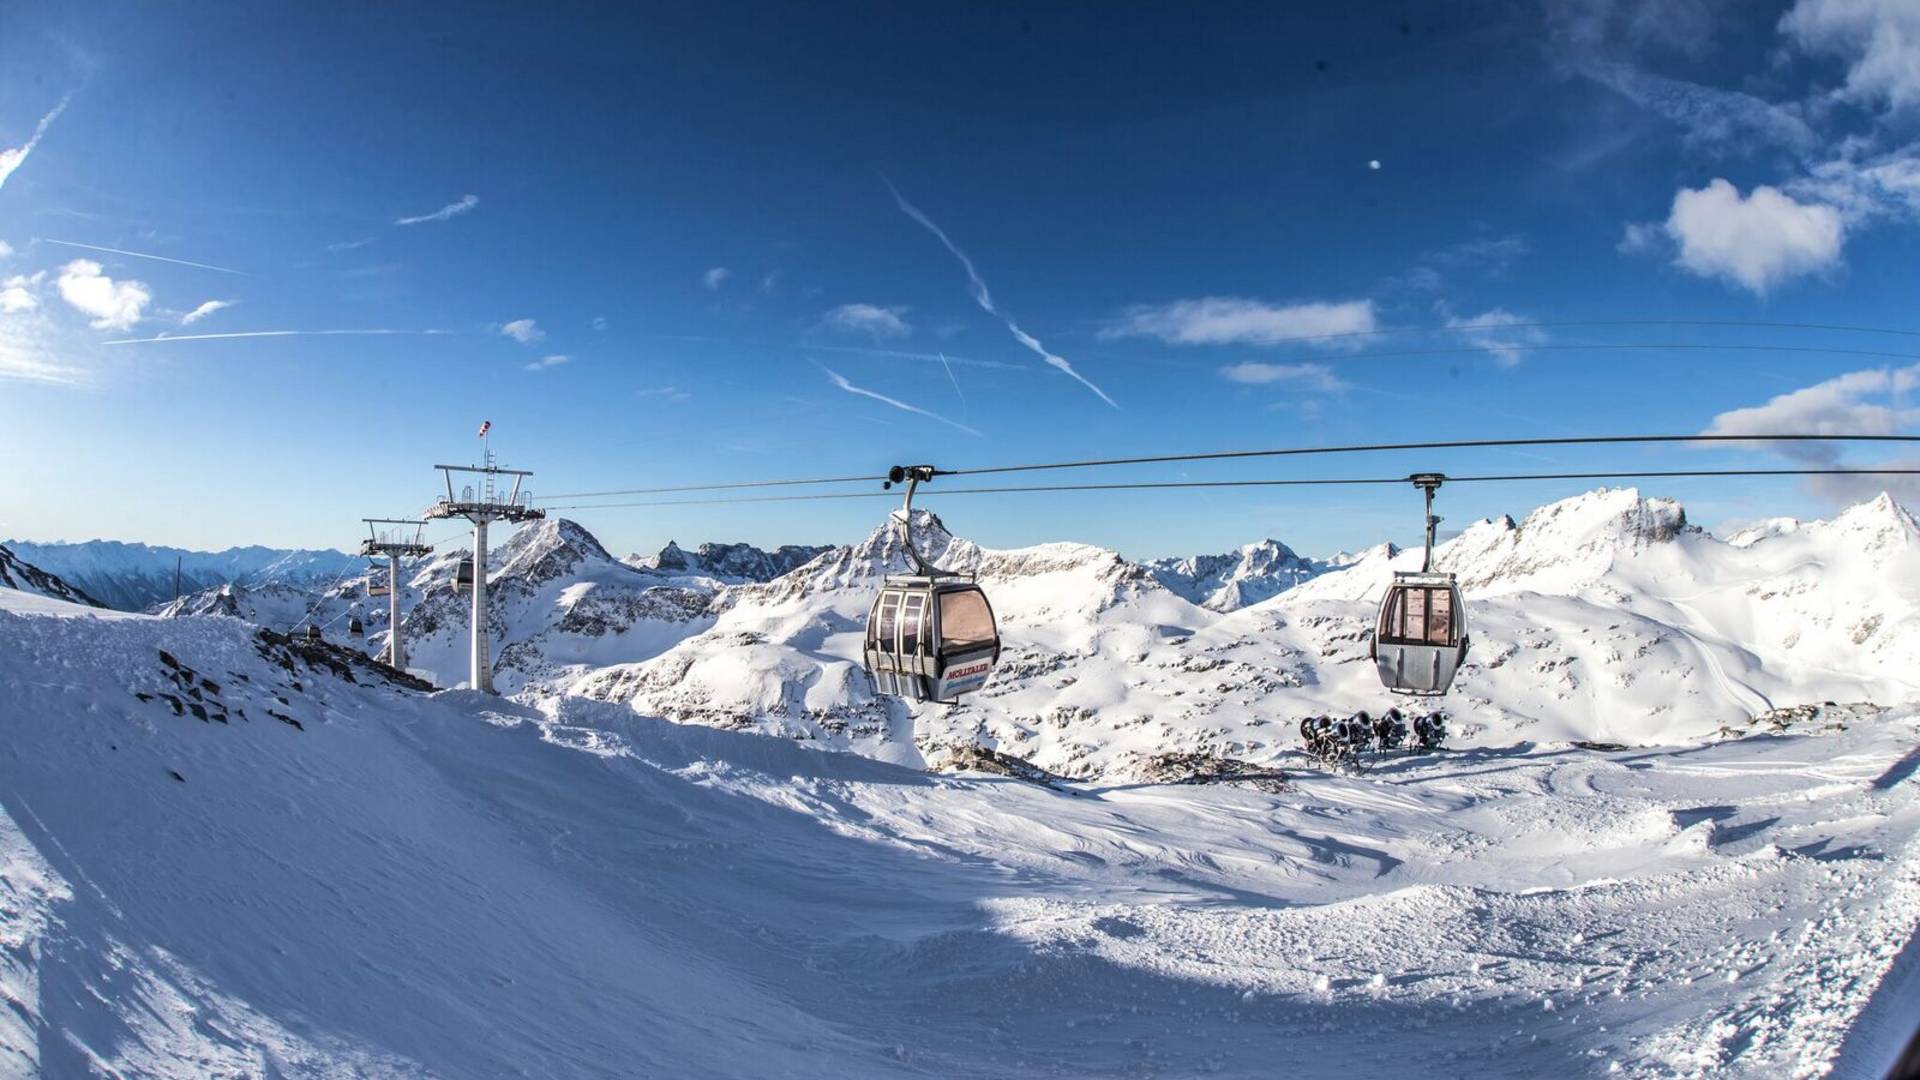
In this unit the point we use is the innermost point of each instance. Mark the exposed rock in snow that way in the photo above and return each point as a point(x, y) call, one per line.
point(17, 573)
point(1232, 581)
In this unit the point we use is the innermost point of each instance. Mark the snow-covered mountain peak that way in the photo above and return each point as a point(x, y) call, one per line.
point(1228, 582)
point(1575, 539)
point(17, 573)
point(554, 548)
point(1879, 525)
point(734, 564)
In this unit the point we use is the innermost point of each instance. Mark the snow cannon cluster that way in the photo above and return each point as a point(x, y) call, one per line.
point(1340, 741)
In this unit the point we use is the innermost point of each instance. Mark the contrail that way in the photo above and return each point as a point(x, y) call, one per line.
point(142, 255)
point(964, 408)
point(12, 159)
point(929, 357)
point(272, 333)
point(840, 381)
point(985, 299)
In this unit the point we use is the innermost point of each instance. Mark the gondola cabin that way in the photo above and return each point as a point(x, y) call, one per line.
point(463, 575)
point(1421, 636)
point(930, 638)
point(355, 628)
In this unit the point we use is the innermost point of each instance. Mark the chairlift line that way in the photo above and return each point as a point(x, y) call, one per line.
point(1228, 455)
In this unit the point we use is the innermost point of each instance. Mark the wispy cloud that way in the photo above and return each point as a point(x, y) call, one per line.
point(144, 255)
point(11, 159)
point(928, 357)
point(6, 249)
point(275, 333)
point(1232, 320)
point(112, 305)
point(1309, 376)
point(524, 331)
point(203, 311)
point(984, 298)
point(546, 362)
point(670, 393)
point(841, 382)
point(1498, 331)
point(716, 277)
point(462, 205)
point(350, 245)
point(870, 319)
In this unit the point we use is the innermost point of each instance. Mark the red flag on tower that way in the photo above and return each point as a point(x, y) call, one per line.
point(485, 426)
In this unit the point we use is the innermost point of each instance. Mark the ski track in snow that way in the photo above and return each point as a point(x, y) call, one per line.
point(452, 885)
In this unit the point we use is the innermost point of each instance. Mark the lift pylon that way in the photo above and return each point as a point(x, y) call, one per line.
point(481, 507)
point(399, 539)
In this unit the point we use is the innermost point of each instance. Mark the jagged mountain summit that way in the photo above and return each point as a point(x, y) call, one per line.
point(16, 573)
point(732, 564)
point(1256, 572)
point(136, 577)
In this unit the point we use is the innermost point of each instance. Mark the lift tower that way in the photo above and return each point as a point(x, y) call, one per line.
point(481, 507)
point(396, 540)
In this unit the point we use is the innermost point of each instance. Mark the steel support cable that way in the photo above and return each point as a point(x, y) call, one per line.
point(1173, 485)
point(1226, 455)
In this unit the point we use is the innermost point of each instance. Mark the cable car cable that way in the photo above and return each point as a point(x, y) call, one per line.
point(1169, 485)
point(1223, 455)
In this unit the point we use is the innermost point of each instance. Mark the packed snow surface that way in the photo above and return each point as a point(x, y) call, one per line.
point(279, 862)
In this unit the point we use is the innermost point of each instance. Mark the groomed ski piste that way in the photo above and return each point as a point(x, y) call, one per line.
point(227, 854)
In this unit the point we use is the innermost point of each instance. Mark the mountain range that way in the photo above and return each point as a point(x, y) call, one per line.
point(1603, 616)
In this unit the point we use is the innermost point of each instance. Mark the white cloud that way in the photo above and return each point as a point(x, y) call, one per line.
point(203, 311)
point(17, 293)
point(546, 362)
point(1872, 402)
point(1227, 320)
point(1858, 403)
point(978, 286)
point(113, 305)
point(11, 159)
point(464, 204)
point(6, 249)
point(599, 322)
point(1756, 241)
point(1878, 39)
point(870, 319)
point(524, 331)
point(716, 277)
point(841, 382)
point(1500, 332)
point(349, 245)
point(1310, 376)
point(670, 393)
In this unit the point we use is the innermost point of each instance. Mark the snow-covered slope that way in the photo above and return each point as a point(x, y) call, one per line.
point(135, 577)
point(1229, 582)
point(228, 854)
point(17, 574)
point(731, 563)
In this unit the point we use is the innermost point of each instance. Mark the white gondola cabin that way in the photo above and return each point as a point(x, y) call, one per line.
point(1420, 638)
point(931, 635)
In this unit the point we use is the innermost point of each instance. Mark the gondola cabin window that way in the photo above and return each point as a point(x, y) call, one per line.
point(965, 621)
point(883, 626)
point(1418, 615)
point(913, 608)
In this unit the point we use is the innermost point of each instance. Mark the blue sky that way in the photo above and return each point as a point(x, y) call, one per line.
point(675, 245)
